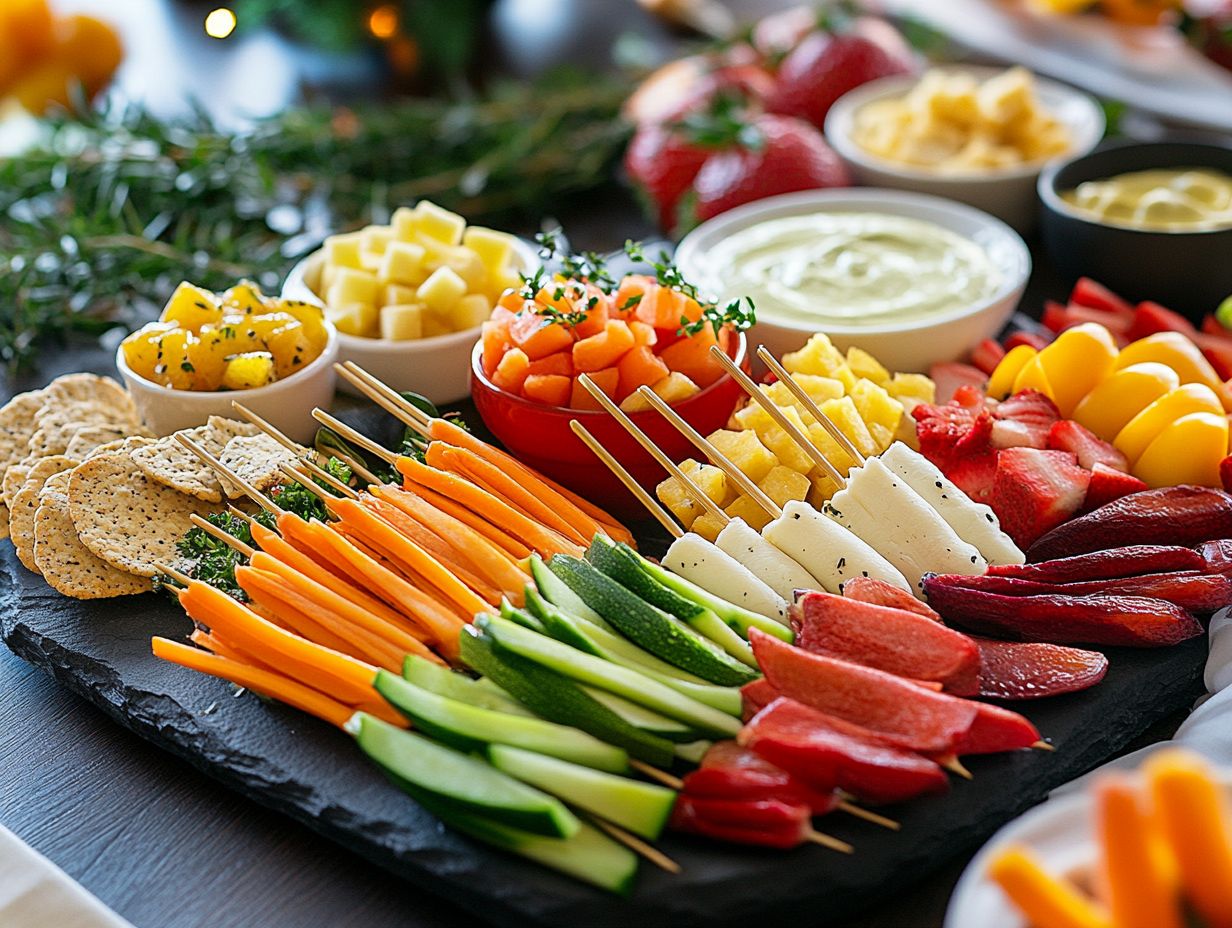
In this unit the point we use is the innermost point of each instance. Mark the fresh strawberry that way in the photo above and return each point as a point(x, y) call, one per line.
point(969, 395)
point(975, 474)
point(776, 154)
point(1217, 349)
point(1035, 491)
point(951, 375)
point(745, 81)
point(1055, 317)
point(824, 66)
point(1036, 340)
point(1225, 473)
point(940, 429)
point(1023, 421)
point(1107, 484)
point(979, 438)
point(1094, 295)
point(987, 355)
point(1089, 448)
point(1150, 317)
point(662, 161)
point(1212, 326)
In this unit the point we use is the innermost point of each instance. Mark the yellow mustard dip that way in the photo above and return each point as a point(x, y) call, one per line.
point(1172, 200)
point(853, 269)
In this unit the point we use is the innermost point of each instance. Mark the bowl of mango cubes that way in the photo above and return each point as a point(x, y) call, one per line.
point(208, 350)
point(409, 298)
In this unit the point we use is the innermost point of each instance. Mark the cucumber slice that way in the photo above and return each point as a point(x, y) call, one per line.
point(643, 718)
point(468, 728)
point(738, 618)
point(423, 765)
point(642, 808)
point(589, 856)
point(586, 668)
point(557, 592)
point(558, 698)
point(663, 635)
point(726, 637)
point(481, 693)
point(693, 751)
point(558, 625)
point(511, 612)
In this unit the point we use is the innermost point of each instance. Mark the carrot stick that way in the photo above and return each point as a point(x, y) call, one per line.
point(500, 484)
point(1046, 901)
point(296, 531)
point(322, 668)
point(409, 553)
point(498, 536)
point(1140, 894)
point(490, 507)
point(577, 510)
point(300, 624)
point(213, 643)
point(265, 682)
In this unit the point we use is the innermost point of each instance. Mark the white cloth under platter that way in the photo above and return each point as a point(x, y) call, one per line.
point(35, 893)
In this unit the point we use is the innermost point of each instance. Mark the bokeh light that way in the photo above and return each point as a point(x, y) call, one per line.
point(220, 23)
point(383, 21)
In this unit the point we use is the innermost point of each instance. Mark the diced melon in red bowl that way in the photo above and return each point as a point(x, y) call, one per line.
point(540, 436)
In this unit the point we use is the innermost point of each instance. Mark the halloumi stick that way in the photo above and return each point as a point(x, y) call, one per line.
point(827, 550)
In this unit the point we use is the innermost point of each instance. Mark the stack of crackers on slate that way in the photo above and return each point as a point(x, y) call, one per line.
point(92, 501)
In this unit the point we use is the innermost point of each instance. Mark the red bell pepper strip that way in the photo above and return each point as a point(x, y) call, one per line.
point(729, 771)
point(767, 822)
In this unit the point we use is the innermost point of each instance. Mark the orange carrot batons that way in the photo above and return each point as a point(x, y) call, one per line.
point(496, 535)
point(1141, 894)
point(1045, 901)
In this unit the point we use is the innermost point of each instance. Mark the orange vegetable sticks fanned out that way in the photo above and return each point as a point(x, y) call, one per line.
point(293, 620)
point(498, 536)
point(222, 649)
point(264, 682)
point(298, 533)
point(1141, 894)
point(1046, 901)
point(1195, 822)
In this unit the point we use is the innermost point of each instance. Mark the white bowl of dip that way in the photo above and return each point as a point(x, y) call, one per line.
point(915, 280)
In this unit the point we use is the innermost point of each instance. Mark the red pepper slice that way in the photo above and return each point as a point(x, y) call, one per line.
point(769, 822)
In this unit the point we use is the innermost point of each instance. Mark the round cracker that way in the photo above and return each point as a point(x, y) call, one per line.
point(4, 521)
point(14, 477)
point(124, 517)
point(87, 399)
point(26, 503)
point(17, 424)
point(67, 565)
point(90, 437)
point(168, 462)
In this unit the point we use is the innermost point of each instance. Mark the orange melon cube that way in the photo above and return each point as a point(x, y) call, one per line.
point(633, 290)
point(691, 357)
point(662, 309)
point(512, 371)
point(560, 362)
point(604, 349)
point(537, 335)
point(596, 318)
point(606, 380)
point(549, 389)
point(495, 344)
point(643, 334)
point(639, 367)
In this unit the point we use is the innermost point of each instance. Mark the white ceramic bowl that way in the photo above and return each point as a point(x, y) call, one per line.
point(1008, 193)
point(1061, 832)
point(287, 403)
point(437, 367)
point(902, 346)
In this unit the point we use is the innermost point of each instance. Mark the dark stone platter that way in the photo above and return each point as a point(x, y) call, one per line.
point(294, 764)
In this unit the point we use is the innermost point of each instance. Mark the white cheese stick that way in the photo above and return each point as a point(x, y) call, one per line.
point(878, 506)
point(766, 562)
point(717, 572)
point(973, 522)
point(826, 549)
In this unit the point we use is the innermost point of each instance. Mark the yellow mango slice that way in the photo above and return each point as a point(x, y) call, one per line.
point(1180, 354)
point(1033, 377)
point(1001, 383)
point(1076, 362)
point(1107, 408)
point(1143, 428)
point(1187, 451)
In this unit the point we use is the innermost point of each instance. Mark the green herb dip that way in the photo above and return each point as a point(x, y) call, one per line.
point(852, 269)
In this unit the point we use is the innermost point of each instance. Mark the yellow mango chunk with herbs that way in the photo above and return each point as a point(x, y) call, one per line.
point(1180, 354)
point(745, 451)
point(1145, 427)
point(207, 354)
point(141, 348)
point(291, 349)
point(312, 318)
point(173, 368)
point(1001, 383)
point(190, 307)
point(1076, 362)
point(1186, 452)
point(244, 298)
point(1109, 407)
point(249, 370)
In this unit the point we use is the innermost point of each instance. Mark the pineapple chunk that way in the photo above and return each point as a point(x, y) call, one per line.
point(352, 286)
point(783, 484)
point(291, 349)
point(744, 508)
point(405, 223)
point(823, 488)
point(395, 295)
point(359, 319)
point(441, 290)
point(751, 417)
point(467, 265)
point(470, 312)
point(402, 263)
point(785, 448)
point(437, 223)
point(248, 370)
point(708, 526)
point(830, 449)
point(191, 307)
point(907, 433)
point(344, 250)
point(876, 406)
point(492, 247)
point(403, 322)
point(746, 452)
point(916, 385)
point(712, 481)
point(843, 413)
point(375, 239)
point(882, 437)
point(173, 368)
point(863, 364)
point(820, 358)
point(672, 494)
point(671, 389)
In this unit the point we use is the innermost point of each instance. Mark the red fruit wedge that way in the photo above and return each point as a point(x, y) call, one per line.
point(996, 730)
point(828, 753)
point(1129, 561)
point(975, 474)
point(987, 355)
point(1033, 670)
point(1035, 491)
point(1094, 295)
point(1037, 340)
point(914, 718)
point(881, 593)
point(729, 771)
point(894, 640)
point(1089, 448)
point(951, 375)
point(1192, 590)
point(1217, 556)
point(1024, 420)
point(1108, 484)
point(1055, 317)
point(1150, 317)
point(940, 429)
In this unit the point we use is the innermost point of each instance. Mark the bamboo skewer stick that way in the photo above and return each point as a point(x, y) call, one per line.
point(219, 467)
point(868, 816)
point(410, 408)
point(807, 401)
point(370, 389)
point(636, 844)
point(225, 537)
point(240, 514)
point(267, 428)
point(1043, 746)
point(655, 773)
point(351, 435)
point(181, 578)
point(713, 454)
point(651, 504)
point(329, 478)
point(305, 480)
point(955, 766)
point(825, 840)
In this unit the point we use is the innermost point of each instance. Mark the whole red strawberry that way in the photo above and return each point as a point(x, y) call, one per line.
point(773, 155)
point(824, 66)
point(662, 161)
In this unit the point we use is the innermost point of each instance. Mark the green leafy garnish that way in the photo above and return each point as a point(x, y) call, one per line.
point(213, 561)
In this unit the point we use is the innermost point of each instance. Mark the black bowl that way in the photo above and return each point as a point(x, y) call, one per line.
point(1190, 272)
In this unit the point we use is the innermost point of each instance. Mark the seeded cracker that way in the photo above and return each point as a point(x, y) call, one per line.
point(25, 505)
point(90, 437)
point(257, 458)
point(171, 464)
point(14, 477)
point(125, 518)
point(17, 425)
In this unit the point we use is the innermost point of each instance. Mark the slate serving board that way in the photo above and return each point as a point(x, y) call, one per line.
point(292, 763)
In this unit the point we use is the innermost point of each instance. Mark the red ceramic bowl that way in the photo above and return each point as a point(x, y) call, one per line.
point(540, 436)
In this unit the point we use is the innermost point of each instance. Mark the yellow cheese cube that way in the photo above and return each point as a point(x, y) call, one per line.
point(249, 370)
point(359, 319)
point(467, 265)
point(863, 364)
point(440, 224)
point(744, 508)
point(343, 250)
point(405, 223)
point(191, 307)
point(500, 281)
point(916, 385)
point(441, 290)
point(434, 325)
point(783, 484)
point(470, 312)
point(875, 405)
point(352, 286)
point(395, 295)
point(402, 263)
point(402, 323)
point(492, 247)
point(746, 451)
point(375, 239)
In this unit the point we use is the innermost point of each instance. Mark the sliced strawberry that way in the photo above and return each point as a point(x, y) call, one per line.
point(1077, 315)
point(987, 355)
point(1055, 317)
point(1036, 340)
point(1225, 473)
point(950, 376)
point(969, 396)
point(1093, 295)
point(1218, 350)
point(979, 438)
point(1212, 326)
point(1150, 317)
point(940, 429)
point(1107, 484)
point(1035, 491)
point(1089, 448)
point(1023, 421)
point(974, 475)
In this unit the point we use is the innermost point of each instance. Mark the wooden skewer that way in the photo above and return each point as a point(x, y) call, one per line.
point(637, 845)
point(241, 514)
point(329, 478)
point(1043, 746)
point(793, 431)
point(807, 401)
point(374, 393)
point(219, 467)
point(305, 480)
point(655, 773)
point(868, 816)
point(225, 537)
point(955, 766)
point(351, 435)
point(410, 408)
point(267, 428)
point(181, 578)
point(825, 840)
point(626, 478)
point(716, 457)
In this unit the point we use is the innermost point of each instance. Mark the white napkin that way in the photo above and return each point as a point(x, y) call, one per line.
point(35, 893)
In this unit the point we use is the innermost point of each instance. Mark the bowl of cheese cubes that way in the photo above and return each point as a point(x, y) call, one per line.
point(408, 298)
point(206, 350)
point(977, 135)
